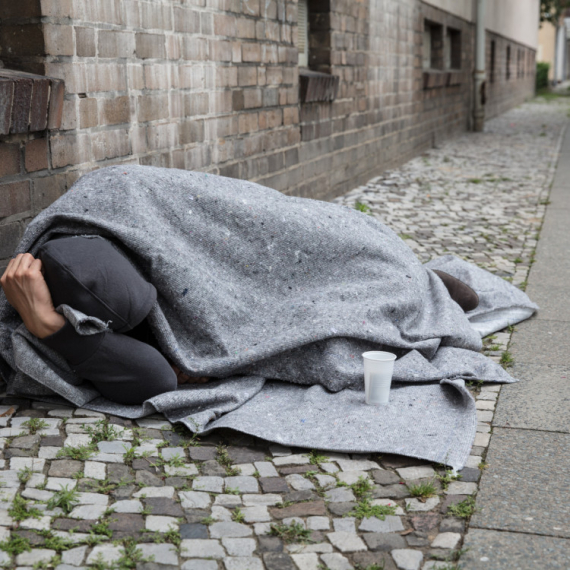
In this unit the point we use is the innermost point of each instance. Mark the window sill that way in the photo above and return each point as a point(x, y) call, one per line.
point(435, 78)
point(316, 86)
point(29, 102)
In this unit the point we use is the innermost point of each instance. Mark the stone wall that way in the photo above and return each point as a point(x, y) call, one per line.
point(213, 85)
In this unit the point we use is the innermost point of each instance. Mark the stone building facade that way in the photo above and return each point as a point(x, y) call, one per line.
point(215, 85)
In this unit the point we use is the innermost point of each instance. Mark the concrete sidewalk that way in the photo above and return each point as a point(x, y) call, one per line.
point(524, 497)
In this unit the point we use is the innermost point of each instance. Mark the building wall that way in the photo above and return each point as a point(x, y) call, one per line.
point(461, 8)
point(517, 20)
point(213, 85)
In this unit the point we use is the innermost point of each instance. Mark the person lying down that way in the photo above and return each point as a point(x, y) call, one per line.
point(125, 362)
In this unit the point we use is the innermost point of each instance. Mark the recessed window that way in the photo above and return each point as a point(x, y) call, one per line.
point(492, 63)
point(452, 49)
point(432, 45)
point(508, 68)
point(303, 33)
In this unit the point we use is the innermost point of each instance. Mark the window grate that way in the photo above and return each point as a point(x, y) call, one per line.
point(303, 33)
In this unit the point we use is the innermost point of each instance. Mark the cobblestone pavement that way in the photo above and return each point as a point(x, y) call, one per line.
point(80, 489)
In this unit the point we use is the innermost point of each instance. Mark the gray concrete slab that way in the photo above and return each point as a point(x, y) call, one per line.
point(541, 342)
point(493, 550)
point(525, 488)
point(541, 400)
point(560, 193)
point(554, 302)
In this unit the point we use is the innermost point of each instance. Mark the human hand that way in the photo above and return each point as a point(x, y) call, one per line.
point(27, 291)
point(184, 378)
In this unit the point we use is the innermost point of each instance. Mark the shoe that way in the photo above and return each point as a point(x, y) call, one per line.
point(460, 292)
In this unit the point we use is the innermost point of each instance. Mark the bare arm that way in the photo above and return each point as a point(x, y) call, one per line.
point(27, 291)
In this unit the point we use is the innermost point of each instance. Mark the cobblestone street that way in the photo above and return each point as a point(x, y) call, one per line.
point(80, 489)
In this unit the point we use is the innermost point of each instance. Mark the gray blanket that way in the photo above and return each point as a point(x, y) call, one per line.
point(276, 297)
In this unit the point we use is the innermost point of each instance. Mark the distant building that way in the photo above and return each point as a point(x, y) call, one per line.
point(311, 97)
point(554, 47)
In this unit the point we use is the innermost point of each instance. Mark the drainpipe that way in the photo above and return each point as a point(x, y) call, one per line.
point(479, 79)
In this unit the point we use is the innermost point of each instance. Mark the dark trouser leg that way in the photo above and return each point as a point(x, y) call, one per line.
point(91, 276)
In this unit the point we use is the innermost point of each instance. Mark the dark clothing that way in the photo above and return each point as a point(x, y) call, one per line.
point(92, 276)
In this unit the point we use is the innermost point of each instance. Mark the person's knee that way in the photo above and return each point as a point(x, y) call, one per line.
point(127, 371)
point(92, 276)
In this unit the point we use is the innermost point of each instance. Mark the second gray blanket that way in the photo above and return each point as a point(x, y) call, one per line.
point(254, 285)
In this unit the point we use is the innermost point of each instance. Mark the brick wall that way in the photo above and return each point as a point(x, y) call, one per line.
point(505, 92)
point(213, 85)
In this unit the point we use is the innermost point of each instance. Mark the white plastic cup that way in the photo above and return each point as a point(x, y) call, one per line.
point(378, 370)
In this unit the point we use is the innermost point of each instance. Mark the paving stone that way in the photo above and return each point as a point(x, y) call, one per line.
point(163, 553)
point(200, 565)
point(339, 495)
point(346, 541)
point(229, 500)
point(194, 500)
point(450, 524)
point(133, 506)
point(196, 515)
point(163, 506)
point(470, 475)
point(208, 484)
point(42, 523)
point(269, 544)
point(306, 561)
point(407, 559)
point(229, 529)
point(203, 453)
point(266, 469)
point(167, 492)
point(92, 499)
point(200, 548)
point(384, 541)
point(193, 530)
point(147, 478)
point(243, 563)
point(412, 473)
point(451, 500)
point(37, 494)
point(278, 561)
point(256, 514)
point(19, 463)
point(212, 469)
point(344, 525)
point(318, 523)
point(446, 540)
point(58, 483)
point(161, 523)
point(25, 442)
point(461, 488)
point(273, 485)
point(71, 524)
point(35, 556)
point(185, 471)
point(417, 539)
point(75, 556)
point(381, 559)
point(341, 509)
point(501, 550)
point(335, 561)
point(245, 454)
point(291, 460)
point(416, 505)
point(329, 467)
point(221, 514)
point(242, 547)
point(313, 508)
point(127, 523)
point(384, 477)
point(299, 483)
point(88, 512)
point(268, 499)
point(356, 464)
point(242, 484)
point(261, 528)
point(425, 522)
point(390, 492)
point(106, 552)
point(373, 524)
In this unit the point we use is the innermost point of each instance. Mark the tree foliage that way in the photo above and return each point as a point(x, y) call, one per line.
point(551, 10)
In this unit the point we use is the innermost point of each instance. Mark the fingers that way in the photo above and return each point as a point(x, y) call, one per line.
point(18, 265)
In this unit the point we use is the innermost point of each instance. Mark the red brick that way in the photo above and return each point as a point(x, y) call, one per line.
point(39, 105)
point(224, 25)
point(9, 159)
point(186, 20)
point(6, 97)
point(115, 44)
point(85, 42)
point(21, 105)
point(152, 107)
point(47, 190)
point(10, 235)
point(59, 40)
point(14, 198)
point(251, 52)
point(110, 144)
point(150, 46)
point(88, 116)
point(57, 92)
point(36, 155)
point(116, 110)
